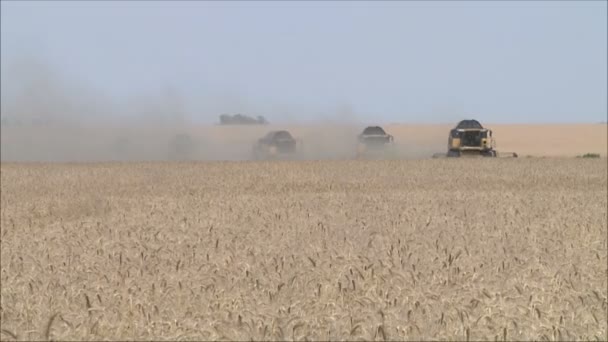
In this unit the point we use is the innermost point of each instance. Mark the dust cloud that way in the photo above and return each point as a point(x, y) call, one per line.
point(48, 118)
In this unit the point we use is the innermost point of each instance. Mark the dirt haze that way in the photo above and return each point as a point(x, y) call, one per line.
point(132, 142)
point(48, 116)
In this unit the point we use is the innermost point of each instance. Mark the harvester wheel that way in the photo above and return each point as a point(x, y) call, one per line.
point(453, 154)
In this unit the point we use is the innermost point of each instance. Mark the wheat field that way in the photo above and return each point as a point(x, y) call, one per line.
point(483, 249)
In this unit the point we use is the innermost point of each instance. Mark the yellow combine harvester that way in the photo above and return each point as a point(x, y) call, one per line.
point(470, 139)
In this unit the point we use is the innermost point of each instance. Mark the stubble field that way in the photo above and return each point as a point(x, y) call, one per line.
point(479, 249)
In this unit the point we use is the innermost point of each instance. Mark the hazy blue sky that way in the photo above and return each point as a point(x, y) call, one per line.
point(390, 61)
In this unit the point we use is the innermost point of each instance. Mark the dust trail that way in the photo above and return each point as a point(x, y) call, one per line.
point(50, 118)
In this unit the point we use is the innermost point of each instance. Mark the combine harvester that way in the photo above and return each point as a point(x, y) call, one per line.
point(276, 145)
point(373, 142)
point(470, 139)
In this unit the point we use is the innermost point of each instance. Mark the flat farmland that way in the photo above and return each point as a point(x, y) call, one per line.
point(328, 141)
point(463, 249)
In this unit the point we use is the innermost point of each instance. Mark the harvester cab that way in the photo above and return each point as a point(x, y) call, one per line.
point(373, 140)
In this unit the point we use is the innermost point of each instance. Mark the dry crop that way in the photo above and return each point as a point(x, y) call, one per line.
point(356, 250)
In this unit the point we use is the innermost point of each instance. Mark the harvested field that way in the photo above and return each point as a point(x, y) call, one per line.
point(477, 249)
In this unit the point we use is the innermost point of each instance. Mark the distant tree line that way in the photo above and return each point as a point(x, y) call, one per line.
point(239, 119)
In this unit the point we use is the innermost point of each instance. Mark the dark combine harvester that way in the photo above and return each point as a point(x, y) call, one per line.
point(373, 140)
point(275, 144)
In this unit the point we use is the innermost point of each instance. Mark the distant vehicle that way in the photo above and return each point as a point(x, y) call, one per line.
point(373, 141)
point(276, 145)
point(469, 138)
